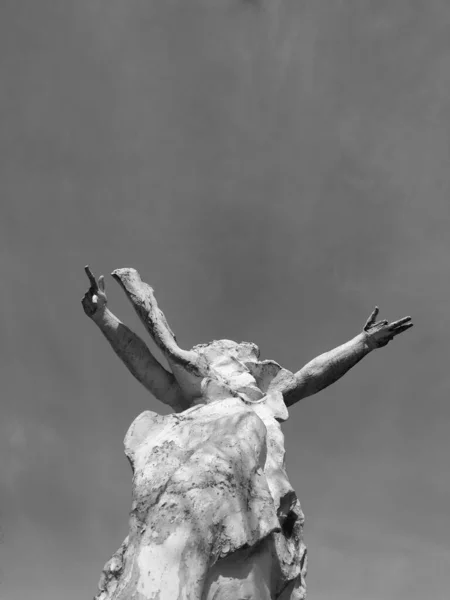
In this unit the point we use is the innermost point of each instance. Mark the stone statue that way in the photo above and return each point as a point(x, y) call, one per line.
point(213, 516)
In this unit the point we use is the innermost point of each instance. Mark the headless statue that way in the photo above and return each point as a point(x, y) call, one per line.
point(214, 516)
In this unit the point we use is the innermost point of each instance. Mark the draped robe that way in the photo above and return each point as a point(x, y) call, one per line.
point(214, 516)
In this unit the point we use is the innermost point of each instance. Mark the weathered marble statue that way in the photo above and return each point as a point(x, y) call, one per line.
point(214, 516)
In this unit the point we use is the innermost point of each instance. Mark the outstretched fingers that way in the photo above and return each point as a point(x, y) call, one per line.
point(91, 277)
point(400, 323)
point(401, 328)
point(101, 283)
point(371, 320)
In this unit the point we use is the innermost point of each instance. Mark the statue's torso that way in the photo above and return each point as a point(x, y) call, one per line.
point(212, 503)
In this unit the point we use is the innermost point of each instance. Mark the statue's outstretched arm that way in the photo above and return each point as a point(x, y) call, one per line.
point(144, 302)
point(129, 347)
point(331, 366)
point(186, 365)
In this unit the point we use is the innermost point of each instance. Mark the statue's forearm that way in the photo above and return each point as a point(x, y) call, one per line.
point(144, 302)
point(327, 368)
point(138, 359)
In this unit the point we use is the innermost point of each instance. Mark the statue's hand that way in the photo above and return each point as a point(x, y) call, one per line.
point(382, 332)
point(94, 300)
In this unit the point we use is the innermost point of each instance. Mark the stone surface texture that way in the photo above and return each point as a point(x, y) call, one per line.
point(214, 516)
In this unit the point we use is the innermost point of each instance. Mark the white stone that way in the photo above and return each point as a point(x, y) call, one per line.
point(214, 516)
point(210, 498)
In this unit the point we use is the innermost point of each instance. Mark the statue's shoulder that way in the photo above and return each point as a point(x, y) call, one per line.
point(269, 375)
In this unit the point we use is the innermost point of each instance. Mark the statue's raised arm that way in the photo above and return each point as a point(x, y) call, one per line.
point(186, 365)
point(331, 366)
point(178, 388)
point(129, 347)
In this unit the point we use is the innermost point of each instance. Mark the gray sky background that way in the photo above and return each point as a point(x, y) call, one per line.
point(273, 169)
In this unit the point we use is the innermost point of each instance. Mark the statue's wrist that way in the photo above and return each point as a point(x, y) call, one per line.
point(369, 342)
point(100, 316)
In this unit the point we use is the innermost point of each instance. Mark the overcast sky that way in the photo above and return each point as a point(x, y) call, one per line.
point(274, 170)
